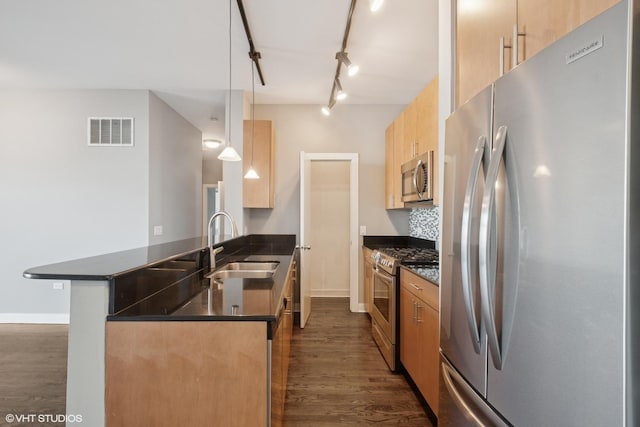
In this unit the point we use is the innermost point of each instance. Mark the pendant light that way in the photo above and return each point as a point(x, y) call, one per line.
point(251, 173)
point(229, 154)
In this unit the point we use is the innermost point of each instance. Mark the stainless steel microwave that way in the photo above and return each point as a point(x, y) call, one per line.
point(417, 179)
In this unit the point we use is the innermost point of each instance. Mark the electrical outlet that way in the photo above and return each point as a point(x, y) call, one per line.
point(363, 230)
point(157, 230)
point(58, 285)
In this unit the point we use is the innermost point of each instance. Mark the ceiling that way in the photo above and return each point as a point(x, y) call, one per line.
point(180, 50)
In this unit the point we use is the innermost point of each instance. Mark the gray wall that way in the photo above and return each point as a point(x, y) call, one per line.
point(63, 200)
point(60, 198)
point(350, 129)
point(175, 174)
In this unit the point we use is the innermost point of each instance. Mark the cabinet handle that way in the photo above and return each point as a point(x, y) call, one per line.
point(502, 48)
point(418, 308)
point(514, 51)
point(413, 310)
point(416, 287)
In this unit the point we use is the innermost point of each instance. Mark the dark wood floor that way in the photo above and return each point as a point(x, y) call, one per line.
point(33, 370)
point(338, 377)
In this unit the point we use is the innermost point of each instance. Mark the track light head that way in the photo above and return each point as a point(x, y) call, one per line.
point(326, 111)
point(375, 5)
point(340, 94)
point(352, 69)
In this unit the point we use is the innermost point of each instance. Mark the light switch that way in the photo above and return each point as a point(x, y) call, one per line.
point(157, 230)
point(363, 230)
point(58, 285)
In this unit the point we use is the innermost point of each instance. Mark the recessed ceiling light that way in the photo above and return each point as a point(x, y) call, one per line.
point(211, 144)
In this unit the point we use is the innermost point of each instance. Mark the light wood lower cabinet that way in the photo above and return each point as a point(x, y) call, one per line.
point(367, 267)
point(420, 334)
point(198, 373)
point(186, 373)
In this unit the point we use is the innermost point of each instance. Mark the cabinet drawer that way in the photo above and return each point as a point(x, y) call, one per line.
point(420, 288)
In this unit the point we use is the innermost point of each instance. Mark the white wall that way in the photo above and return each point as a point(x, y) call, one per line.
point(175, 174)
point(60, 198)
point(350, 129)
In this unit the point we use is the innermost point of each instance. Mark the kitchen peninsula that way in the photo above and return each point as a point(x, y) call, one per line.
point(152, 337)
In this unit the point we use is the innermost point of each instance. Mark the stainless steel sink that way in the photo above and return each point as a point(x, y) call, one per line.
point(245, 269)
point(250, 266)
point(242, 274)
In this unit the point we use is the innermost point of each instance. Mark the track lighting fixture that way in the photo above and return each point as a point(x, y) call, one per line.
point(337, 93)
point(352, 69)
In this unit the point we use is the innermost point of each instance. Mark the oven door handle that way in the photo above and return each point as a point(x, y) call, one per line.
point(384, 276)
point(417, 186)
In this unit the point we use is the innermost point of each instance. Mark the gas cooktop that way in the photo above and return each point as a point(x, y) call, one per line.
point(390, 257)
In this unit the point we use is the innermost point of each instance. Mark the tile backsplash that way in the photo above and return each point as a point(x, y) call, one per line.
point(424, 223)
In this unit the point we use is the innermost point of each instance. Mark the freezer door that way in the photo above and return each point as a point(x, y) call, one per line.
point(460, 404)
point(467, 148)
point(554, 254)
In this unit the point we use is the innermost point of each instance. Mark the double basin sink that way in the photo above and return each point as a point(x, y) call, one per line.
point(245, 270)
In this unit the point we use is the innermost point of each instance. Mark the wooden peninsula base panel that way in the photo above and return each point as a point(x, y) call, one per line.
point(152, 366)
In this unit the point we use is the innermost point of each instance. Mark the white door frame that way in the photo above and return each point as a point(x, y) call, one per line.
point(352, 158)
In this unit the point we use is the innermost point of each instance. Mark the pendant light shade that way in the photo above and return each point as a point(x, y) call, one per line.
point(229, 154)
point(251, 174)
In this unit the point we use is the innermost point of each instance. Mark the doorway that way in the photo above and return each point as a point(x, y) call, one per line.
point(330, 228)
point(307, 249)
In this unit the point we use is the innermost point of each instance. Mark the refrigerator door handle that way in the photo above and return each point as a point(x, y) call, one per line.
point(465, 242)
point(470, 401)
point(487, 262)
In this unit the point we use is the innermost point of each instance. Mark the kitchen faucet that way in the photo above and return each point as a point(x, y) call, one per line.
point(234, 233)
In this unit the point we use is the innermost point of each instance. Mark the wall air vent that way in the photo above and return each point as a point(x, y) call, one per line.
point(111, 131)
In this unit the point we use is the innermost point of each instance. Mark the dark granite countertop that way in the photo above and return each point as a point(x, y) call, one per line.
point(107, 266)
point(375, 242)
point(431, 274)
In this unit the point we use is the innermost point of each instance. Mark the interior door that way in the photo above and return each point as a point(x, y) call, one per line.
point(305, 234)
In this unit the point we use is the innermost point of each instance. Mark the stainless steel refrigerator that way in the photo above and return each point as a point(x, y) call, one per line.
point(540, 241)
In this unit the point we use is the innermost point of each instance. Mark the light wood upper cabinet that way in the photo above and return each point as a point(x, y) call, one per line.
point(410, 124)
point(545, 21)
point(389, 170)
point(427, 127)
point(412, 133)
point(481, 23)
point(259, 193)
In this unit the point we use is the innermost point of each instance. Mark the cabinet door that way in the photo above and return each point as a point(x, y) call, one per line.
point(429, 339)
point(258, 193)
point(427, 128)
point(479, 26)
point(409, 121)
point(368, 285)
point(390, 177)
point(545, 21)
point(409, 349)
point(398, 138)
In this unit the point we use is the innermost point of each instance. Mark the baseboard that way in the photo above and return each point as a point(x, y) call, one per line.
point(331, 293)
point(361, 308)
point(45, 318)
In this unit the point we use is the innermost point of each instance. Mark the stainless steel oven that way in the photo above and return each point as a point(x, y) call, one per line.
point(383, 315)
